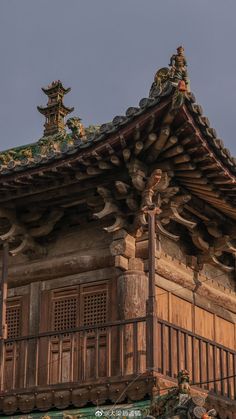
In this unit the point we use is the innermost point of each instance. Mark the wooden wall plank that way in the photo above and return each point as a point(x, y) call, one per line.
point(204, 323)
point(224, 332)
point(182, 313)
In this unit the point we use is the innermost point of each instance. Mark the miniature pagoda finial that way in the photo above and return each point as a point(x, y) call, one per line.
point(55, 111)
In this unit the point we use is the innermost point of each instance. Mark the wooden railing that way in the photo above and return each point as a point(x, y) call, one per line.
point(113, 350)
point(207, 361)
point(116, 349)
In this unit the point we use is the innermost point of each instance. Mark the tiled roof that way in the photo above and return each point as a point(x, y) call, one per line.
point(60, 146)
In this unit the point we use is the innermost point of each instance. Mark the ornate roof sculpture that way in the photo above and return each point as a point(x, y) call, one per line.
point(163, 151)
point(180, 404)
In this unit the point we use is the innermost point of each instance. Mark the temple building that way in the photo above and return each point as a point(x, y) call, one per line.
point(118, 291)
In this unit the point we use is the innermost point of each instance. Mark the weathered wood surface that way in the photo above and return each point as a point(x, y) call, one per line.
point(86, 355)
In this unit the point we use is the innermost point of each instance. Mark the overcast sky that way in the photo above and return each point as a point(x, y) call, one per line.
point(107, 51)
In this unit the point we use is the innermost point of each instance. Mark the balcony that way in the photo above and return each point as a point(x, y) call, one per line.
point(107, 362)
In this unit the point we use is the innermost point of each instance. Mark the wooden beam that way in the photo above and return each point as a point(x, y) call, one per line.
point(185, 166)
point(174, 151)
point(115, 160)
point(187, 140)
point(183, 158)
point(192, 174)
point(152, 137)
point(104, 165)
point(93, 170)
point(138, 147)
point(170, 143)
point(159, 144)
point(187, 181)
point(126, 154)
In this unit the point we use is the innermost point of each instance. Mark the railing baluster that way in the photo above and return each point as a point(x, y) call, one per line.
point(186, 357)
point(135, 348)
point(60, 359)
point(221, 372)
point(14, 366)
point(72, 354)
point(162, 350)
point(200, 360)
point(121, 342)
point(207, 364)
point(48, 364)
point(97, 353)
point(108, 352)
point(214, 369)
point(193, 358)
point(178, 351)
point(234, 373)
point(26, 344)
point(227, 373)
point(2, 363)
point(84, 355)
point(37, 362)
point(170, 351)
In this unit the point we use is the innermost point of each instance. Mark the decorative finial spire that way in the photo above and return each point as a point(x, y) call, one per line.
point(55, 111)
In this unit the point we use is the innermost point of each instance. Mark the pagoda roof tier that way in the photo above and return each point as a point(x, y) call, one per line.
point(55, 86)
point(53, 107)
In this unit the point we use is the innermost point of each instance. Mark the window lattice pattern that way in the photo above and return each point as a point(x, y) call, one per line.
point(95, 308)
point(65, 313)
point(13, 321)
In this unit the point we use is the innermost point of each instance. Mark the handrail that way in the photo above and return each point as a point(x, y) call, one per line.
point(115, 349)
point(76, 329)
point(196, 336)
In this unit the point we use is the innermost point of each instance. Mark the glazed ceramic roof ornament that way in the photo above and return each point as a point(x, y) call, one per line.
point(176, 75)
point(179, 403)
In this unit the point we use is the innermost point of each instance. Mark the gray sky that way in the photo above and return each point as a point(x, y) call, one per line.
point(107, 51)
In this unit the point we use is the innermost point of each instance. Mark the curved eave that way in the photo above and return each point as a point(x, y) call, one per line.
point(211, 174)
point(43, 110)
point(47, 90)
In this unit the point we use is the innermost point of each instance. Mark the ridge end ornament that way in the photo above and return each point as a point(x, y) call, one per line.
point(179, 403)
point(175, 76)
point(77, 128)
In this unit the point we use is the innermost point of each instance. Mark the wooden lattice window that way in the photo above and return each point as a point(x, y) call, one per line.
point(65, 311)
point(95, 305)
point(13, 320)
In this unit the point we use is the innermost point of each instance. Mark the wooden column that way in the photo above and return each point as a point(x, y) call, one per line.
point(132, 295)
point(34, 320)
point(3, 303)
point(151, 308)
point(3, 326)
